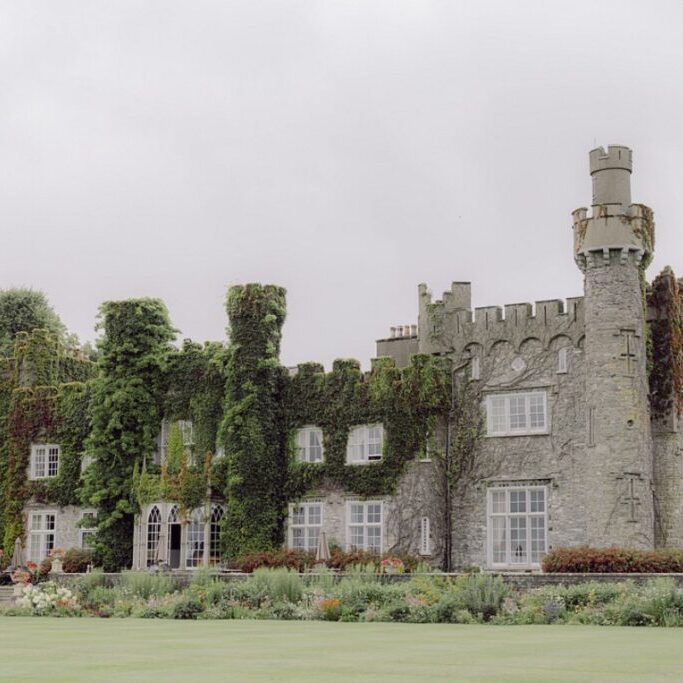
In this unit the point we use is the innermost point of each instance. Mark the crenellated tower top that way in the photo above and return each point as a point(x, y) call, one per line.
point(611, 173)
point(615, 224)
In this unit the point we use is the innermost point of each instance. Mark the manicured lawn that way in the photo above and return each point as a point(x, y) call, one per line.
point(75, 650)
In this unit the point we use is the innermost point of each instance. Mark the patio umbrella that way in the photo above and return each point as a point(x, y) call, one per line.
point(322, 553)
point(18, 554)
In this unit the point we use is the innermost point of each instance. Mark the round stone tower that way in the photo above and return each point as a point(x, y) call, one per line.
point(612, 247)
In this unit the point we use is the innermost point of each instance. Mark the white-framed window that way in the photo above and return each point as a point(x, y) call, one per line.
point(365, 444)
point(187, 431)
point(215, 535)
point(425, 537)
point(563, 360)
point(365, 525)
point(42, 530)
point(87, 459)
point(194, 553)
point(305, 522)
point(519, 413)
point(159, 456)
point(517, 523)
point(153, 535)
point(309, 443)
point(44, 460)
point(87, 528)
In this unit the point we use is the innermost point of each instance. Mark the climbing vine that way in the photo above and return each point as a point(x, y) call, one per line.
point(666, 373)
point(252, 431)
point(406, 401)
point(126, 411)
point(30, 413)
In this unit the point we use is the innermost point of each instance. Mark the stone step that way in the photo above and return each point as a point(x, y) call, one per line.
point(6, 596)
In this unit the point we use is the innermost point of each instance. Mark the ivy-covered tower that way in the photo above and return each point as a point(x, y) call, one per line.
point(613, 246)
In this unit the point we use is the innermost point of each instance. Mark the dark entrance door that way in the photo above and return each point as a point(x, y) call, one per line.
point(174, 546)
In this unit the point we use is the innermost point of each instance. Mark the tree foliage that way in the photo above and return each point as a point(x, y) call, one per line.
point(253, 431)
point(126, 412)
point(24, 310)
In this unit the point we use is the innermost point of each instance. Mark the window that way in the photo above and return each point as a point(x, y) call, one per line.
point(365, 444)
point(187, 430)
point(153, 534)
point(563, 360)
point(305, 521)
point(309, 441)
point(425, 541)
point(88, 528)
point(162, 443)
point(511, 414)
point(86, 460)
point(365, 525)
point(475, 368)
point(215, 536)
point(517, 525)
point(194, 556)
point(44, 460)
point(42, 528)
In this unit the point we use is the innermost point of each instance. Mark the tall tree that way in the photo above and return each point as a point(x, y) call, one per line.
point(126, 413)
point(24, 310)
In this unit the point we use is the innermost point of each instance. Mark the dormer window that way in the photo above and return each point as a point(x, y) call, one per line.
point(365, 444)
point(44, 460)
point(309, 442)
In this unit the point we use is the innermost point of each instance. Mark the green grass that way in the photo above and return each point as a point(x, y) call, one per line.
point(80, 650)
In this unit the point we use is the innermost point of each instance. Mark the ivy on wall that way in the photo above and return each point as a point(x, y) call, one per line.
point(56, 413)
point(126, 411)
point(255, 464)
point(406, 401)
point(666, 372)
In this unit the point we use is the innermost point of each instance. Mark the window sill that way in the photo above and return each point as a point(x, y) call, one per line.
point(364, 463)
point(545, 432)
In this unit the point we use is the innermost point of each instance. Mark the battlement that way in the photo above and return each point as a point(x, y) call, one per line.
point(616, 156)
point(444, 326)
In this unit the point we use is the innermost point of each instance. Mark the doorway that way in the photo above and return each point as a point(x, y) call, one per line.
point(174, 546)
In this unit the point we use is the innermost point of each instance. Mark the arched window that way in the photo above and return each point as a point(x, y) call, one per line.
point(215, 535)
point(153, 533)
point(173, 515)
point(194, 556)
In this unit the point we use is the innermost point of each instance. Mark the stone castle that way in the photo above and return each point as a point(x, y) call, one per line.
point(579, 445)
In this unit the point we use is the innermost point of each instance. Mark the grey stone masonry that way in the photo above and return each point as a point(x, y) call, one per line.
point(594, 457)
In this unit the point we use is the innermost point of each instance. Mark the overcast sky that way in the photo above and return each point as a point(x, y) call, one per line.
point(345, 150)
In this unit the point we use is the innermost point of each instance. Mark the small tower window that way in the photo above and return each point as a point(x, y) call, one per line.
point(475, 368)
point(563, 360)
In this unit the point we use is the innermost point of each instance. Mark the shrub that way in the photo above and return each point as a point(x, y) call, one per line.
point(482, 594)
point(146, 585)
point(76, 560)
point(291, 559)
point(330, 609)
point(613, 560)
point(87, 583)
point(47, 597)
point(279, 584)
point(185, 607)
